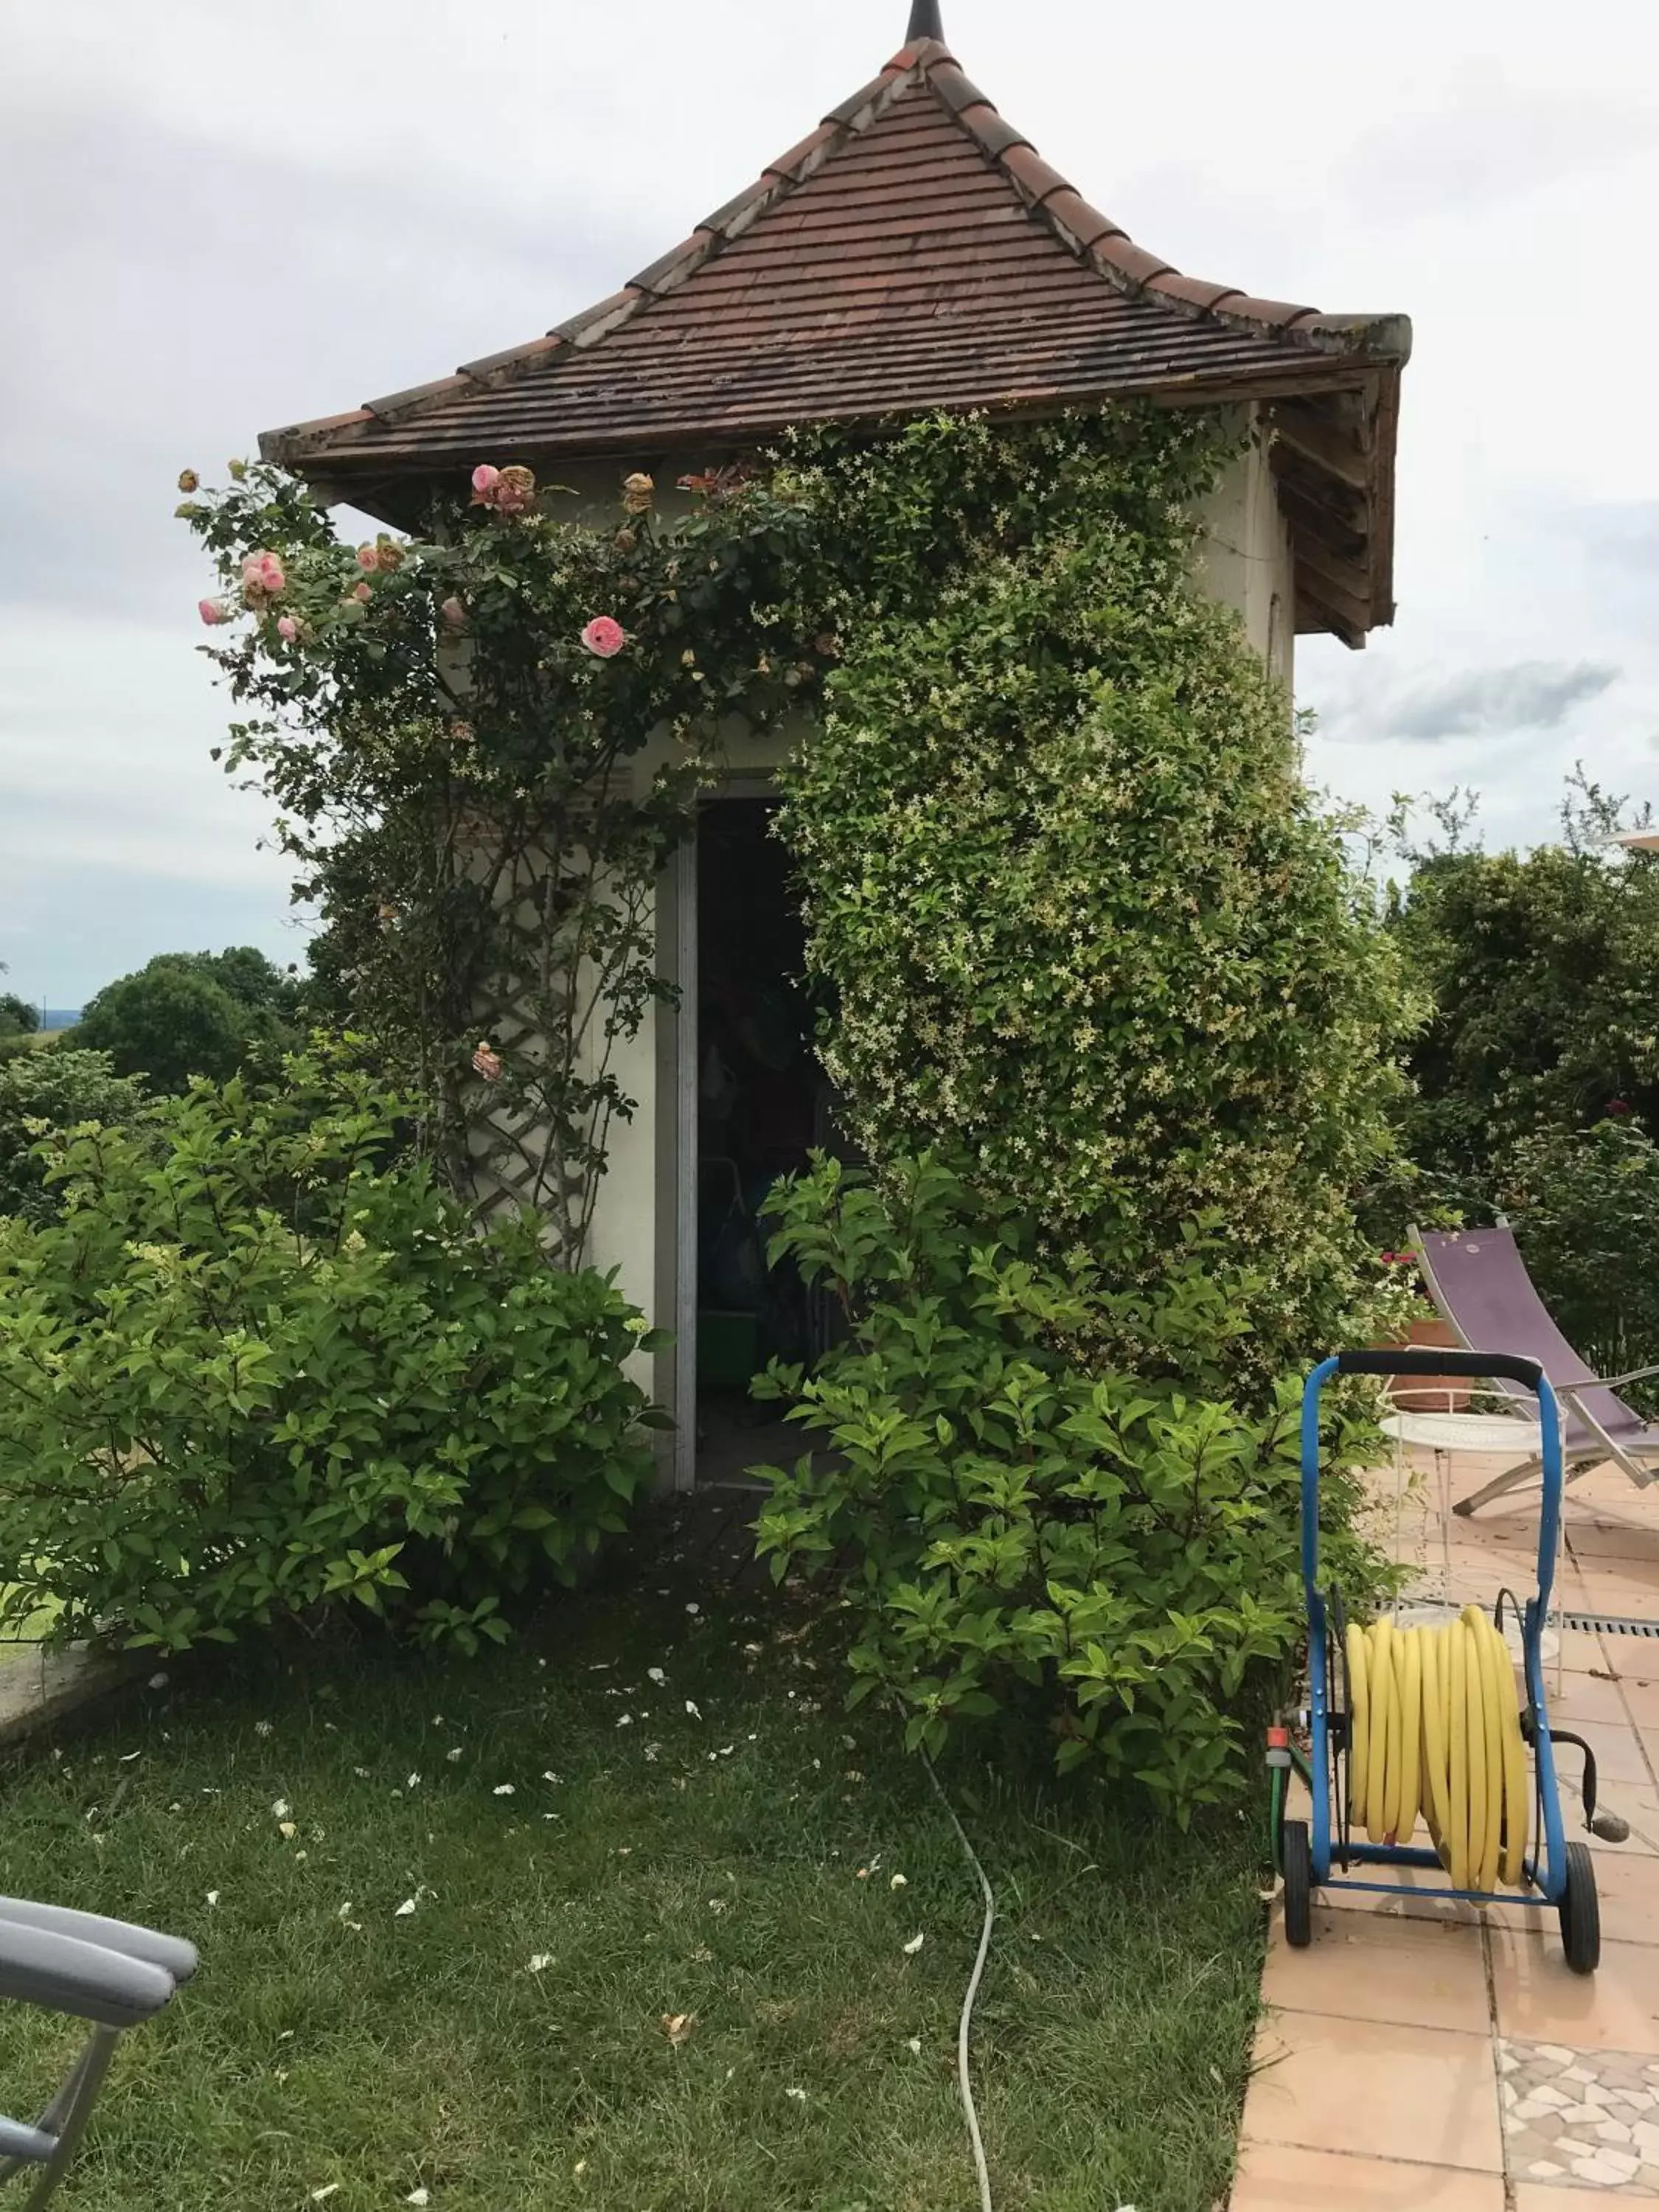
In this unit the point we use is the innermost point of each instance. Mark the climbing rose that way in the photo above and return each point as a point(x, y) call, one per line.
point(263, 572)
point(367, 557)
point(484, 480)
point(212, 611)
point(638, 492)
point(287, 628)
point(453, 613)
point(188, 480)
point(364, 591)
point(605, 637)
point(487, 1063)
point(1618, 1106)
point(389, 554)
point(515, 490)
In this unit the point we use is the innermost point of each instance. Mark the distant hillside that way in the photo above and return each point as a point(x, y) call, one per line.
point(60, 1017)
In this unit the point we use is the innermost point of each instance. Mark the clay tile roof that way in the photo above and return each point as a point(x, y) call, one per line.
point(913, 252)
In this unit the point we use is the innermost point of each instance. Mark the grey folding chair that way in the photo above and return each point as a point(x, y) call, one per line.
point(99, 1971)
point(1479, 1280)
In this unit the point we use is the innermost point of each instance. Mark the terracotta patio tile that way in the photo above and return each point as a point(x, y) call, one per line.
point(1404, 1893)
point(1540, 2196)
point(1624, 1587)
point(1615, 1540)
point(1628, 1889)
point(1373, 2089)
point(1618, 1748)
point(1590, 1698)
point(1638, 1685)
point(1359, 1967)
point(1538, 2000)
point(1276, 2177)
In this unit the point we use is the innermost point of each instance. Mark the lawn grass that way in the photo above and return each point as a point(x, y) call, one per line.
point(735, 1863)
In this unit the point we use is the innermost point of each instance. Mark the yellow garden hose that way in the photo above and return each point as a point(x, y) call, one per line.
point(1436, 1731)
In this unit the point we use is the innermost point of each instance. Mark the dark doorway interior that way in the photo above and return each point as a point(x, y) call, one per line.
point(761, 1104)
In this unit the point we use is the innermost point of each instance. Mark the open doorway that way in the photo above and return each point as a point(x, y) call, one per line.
point(761, 1104)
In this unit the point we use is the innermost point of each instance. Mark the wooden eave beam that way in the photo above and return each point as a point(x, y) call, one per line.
point(1336, 449)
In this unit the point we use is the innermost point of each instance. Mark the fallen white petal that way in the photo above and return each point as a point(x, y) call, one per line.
point(503, 1789)
point(691, 1708)
point(898, 1882)
point(279, 1812)
point(457, 1754)
point(913, 1946)
point(213, 1897)
point(624, 1720)
point(800, 2096)
point(693, 1608)
point(418, 2197)
point(262, 1727)
point(915, 2045)
point(321, 2196)
point(541, 1962)
point(656, 1674)
point(413, 1782)
point(405, 1909)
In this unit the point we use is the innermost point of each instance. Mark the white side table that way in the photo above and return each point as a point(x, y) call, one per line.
point(1446, 1435)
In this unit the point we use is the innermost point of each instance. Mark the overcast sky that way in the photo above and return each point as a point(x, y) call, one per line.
point(213, 220)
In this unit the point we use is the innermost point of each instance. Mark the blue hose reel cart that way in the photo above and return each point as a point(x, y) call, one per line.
point(1322, 1853)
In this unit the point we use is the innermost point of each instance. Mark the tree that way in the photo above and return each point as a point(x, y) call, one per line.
point(193, 1013)
point(17, 1016)
point(1541, 971)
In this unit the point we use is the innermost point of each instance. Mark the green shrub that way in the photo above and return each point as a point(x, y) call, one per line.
point(1082, 923)
point(1113, 1556)
point(44, 1094)
point(263, 1367)
point(1585, 1206)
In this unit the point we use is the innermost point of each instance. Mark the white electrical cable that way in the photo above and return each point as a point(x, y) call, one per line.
point(963, 2079)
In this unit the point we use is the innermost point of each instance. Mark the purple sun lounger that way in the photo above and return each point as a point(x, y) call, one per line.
point(1479, 1280)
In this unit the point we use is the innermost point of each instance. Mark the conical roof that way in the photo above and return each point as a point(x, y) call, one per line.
point(913, 252)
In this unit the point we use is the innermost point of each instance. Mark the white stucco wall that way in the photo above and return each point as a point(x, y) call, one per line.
point(1245, 559)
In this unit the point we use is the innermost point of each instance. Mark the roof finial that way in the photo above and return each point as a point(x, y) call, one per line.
point(925, 22)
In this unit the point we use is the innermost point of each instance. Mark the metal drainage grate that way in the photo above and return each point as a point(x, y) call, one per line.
point(1608, 1624)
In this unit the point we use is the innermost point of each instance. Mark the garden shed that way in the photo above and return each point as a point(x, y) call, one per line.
point(912, 252)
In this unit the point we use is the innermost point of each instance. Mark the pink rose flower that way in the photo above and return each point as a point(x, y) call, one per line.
point(605, 637)
point(367, 557)
point(489, 1064)
point(365, 592)
point(485, 479)
point(288, 628)
point(212, 611)
point(263, 572)
point(453, 613)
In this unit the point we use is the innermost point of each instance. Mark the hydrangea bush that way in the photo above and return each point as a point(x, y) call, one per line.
point(262, 1369)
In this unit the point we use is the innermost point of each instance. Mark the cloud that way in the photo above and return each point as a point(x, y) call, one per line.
point(1492, 141)
point(1529, 695)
